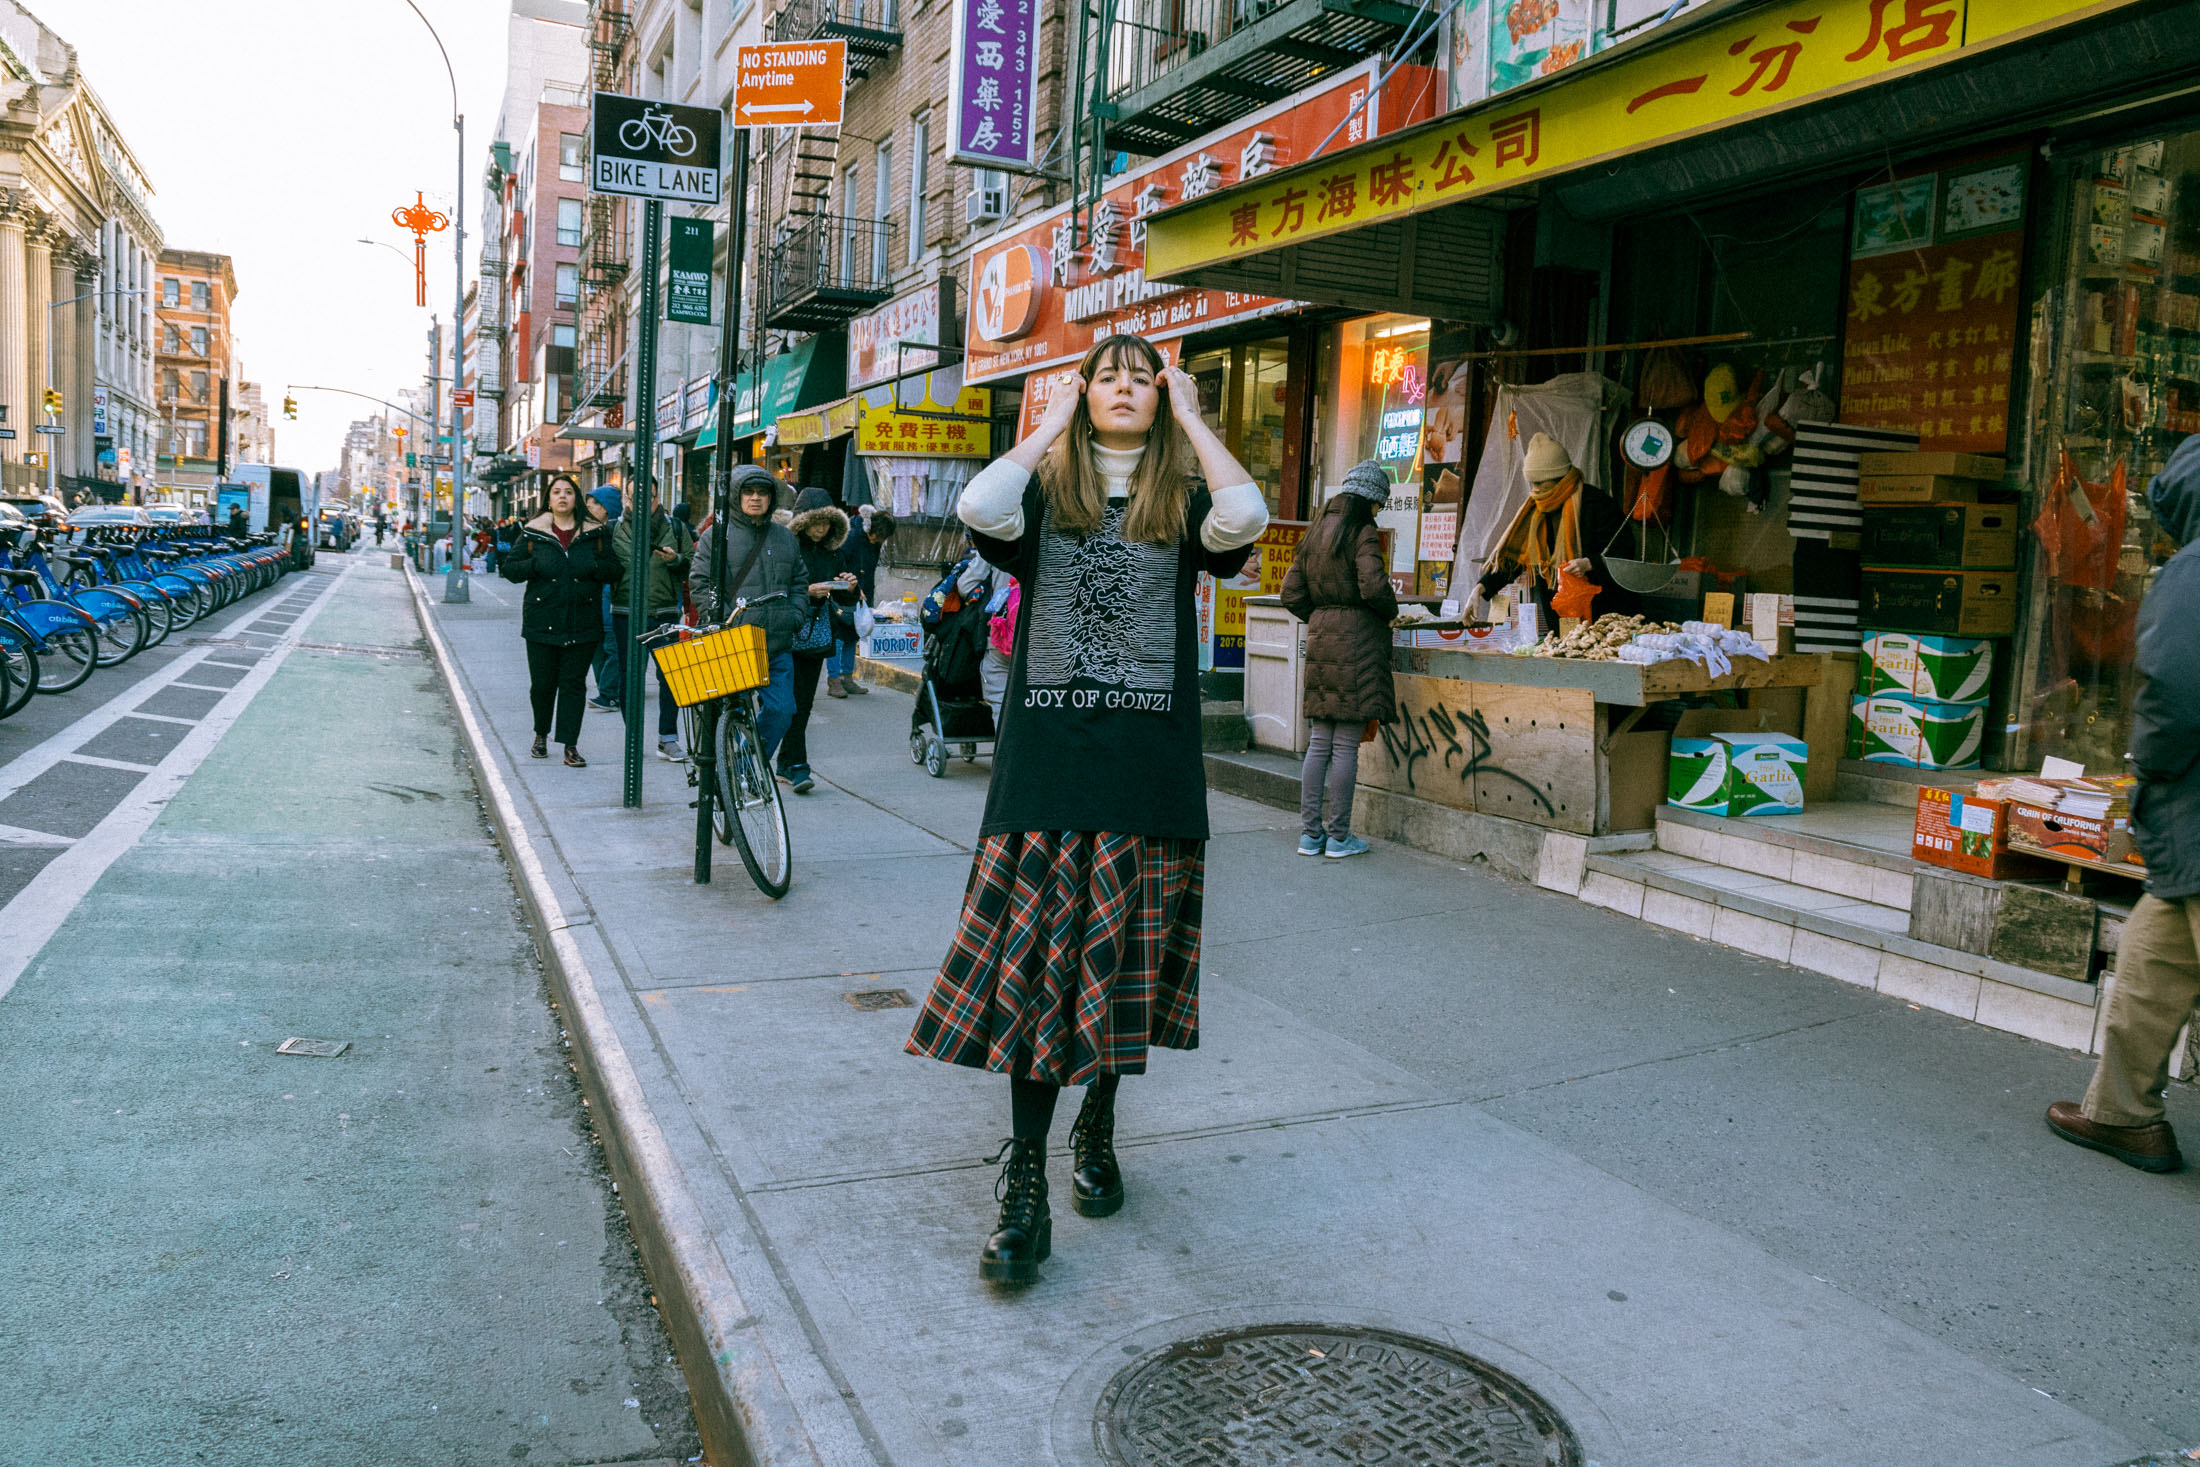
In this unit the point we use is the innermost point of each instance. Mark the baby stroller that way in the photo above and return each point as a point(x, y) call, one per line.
point(951, 708)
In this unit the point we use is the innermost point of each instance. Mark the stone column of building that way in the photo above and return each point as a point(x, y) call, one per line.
point(15, 377)
point(37, 295)
point(87, 328)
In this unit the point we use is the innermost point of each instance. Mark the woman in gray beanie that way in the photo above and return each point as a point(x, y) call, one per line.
point(1340, 587)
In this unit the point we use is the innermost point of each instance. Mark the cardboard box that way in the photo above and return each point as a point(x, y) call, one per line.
point(1938, 669)
point(1891, 729)
point(1738, 774)
point(1941, 536)
point(1913, 489)
point(2053, 833)
point(1984, 466)
point(1965, 833)
point(1940, 603)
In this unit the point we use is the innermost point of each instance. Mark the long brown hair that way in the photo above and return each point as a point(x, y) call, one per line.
point(1077, 497)
point(1334, 541)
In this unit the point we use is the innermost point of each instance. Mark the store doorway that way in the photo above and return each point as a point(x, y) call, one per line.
point(1246, 394)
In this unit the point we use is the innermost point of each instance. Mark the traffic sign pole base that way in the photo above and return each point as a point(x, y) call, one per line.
point(456, 589)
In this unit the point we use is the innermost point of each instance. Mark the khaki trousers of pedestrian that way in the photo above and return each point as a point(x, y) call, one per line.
point(2157, 985)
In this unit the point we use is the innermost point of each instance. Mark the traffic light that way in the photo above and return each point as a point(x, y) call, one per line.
point(53, 400)
point(290, 406)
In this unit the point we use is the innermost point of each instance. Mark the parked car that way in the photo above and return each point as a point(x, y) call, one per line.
point(42, 510)
point(339, 529)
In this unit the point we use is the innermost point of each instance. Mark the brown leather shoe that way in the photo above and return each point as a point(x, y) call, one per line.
point(2149, 1148)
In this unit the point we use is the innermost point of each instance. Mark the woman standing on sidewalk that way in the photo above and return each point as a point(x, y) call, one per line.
point(820, 529)
point(564, 562)
point(1340, 587)
point(1079, 939)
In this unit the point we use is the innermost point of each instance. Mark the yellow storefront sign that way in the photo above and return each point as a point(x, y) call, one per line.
point(928, 430)
point(1752, 66)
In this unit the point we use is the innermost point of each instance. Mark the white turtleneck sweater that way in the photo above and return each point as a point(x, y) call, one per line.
point(992, 503)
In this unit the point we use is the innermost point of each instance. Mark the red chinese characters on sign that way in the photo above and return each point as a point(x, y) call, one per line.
point(1919, 26)
point(1929, 342)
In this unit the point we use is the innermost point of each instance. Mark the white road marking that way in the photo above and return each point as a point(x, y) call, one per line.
point(108, 763)
point(200, 687)
point(16, 835)
point(164, 718)
point(29, 922)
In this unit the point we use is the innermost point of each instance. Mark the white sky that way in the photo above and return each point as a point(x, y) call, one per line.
point(280, 131)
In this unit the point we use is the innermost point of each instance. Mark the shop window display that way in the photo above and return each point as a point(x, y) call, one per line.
point(1379, 368)
point(2116, 387)
point(1242, 394)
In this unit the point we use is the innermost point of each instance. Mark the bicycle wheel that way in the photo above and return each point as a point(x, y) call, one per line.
point(692, 733)
point(22, 664)
point(634, 135)
point(71, 654)
point(121, 635)
point(746, 785)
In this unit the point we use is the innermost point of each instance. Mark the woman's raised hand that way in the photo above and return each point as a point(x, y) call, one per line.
point(1054, 422)
point(1183, 396)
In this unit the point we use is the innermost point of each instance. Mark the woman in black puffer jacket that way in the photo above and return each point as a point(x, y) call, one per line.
point(564, 561)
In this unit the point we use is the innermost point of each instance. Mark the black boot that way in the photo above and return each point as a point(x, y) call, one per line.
point(1096, 1182)
point(1025, 1234)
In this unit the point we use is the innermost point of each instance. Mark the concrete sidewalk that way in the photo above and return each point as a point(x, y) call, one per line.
point(1711, 1208)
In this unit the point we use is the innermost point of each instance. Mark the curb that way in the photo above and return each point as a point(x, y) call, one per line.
point(743, 1411)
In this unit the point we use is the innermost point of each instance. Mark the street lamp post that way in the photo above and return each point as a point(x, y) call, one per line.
point(51, 307)
point(455, 586)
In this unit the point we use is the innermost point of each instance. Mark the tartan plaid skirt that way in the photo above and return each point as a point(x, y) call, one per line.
point(1076, 951)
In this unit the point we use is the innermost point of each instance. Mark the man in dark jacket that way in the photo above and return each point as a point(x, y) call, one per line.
point(762, 560)
point(2158, 958)
point(610, 680)
point(240, 524)
point(670, 544)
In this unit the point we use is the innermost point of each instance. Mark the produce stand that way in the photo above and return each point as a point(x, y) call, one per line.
point(1552, 741)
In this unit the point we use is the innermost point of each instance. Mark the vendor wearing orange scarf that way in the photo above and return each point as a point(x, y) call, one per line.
point(1552, 531)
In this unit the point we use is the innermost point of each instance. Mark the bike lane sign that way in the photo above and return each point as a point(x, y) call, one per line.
point(654, 150)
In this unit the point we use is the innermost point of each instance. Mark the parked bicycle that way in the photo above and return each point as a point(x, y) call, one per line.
point(716, 673)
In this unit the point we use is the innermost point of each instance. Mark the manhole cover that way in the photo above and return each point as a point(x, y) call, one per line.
point(1297, 1395)
point(314, 1048)
point(881, 998)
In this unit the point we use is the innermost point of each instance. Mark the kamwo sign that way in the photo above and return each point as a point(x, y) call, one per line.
point(654, 150)
point(1766, 61)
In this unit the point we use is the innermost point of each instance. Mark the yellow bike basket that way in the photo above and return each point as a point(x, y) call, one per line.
point(702, 668)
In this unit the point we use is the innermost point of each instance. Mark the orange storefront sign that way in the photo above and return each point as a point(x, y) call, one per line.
point(1041, 294)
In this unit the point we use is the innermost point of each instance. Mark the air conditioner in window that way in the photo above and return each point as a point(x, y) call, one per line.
point(986, 205)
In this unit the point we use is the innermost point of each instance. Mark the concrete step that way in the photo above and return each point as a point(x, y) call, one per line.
point(1895, 784)
point(1859, 852)
point(1857, 941)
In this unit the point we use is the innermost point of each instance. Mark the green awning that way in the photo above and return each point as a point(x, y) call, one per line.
point(795, 379)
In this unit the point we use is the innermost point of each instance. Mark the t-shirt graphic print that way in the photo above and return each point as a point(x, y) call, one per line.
point(1103, 611)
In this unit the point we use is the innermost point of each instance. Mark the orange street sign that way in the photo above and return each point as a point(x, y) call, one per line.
point(464, 397)
point(791, 84)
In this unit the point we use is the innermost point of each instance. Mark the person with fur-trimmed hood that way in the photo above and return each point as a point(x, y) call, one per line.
point(820, 530)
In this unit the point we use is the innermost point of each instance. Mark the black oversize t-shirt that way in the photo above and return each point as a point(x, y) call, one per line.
point(1100, 724)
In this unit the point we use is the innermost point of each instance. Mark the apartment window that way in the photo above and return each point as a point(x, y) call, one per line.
point(168, 382)
point(194, 440)
point(851, 207)
point(882, 199)
point(170, 291)
point(572, 167)
point(920, 145)
point(569, 285)
point(562, 335)
point(171, 340)
point(569, 221)
point(198, 341)
point(198, 385)
point(201, 296)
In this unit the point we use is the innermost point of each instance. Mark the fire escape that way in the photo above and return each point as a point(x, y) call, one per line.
point(606, 240)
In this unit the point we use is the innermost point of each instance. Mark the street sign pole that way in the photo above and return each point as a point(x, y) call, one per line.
point(455, 586)
point(641, 504)
point(721, 478)
point(652, 151)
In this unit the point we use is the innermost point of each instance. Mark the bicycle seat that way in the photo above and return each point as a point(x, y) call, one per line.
point(13, 576)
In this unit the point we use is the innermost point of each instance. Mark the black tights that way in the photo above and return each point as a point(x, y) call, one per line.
point(1031, 1103)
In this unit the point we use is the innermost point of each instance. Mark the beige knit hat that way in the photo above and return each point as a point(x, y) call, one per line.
point(1547, 460)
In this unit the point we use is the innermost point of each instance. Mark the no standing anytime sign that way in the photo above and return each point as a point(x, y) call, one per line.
point(654, 150)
